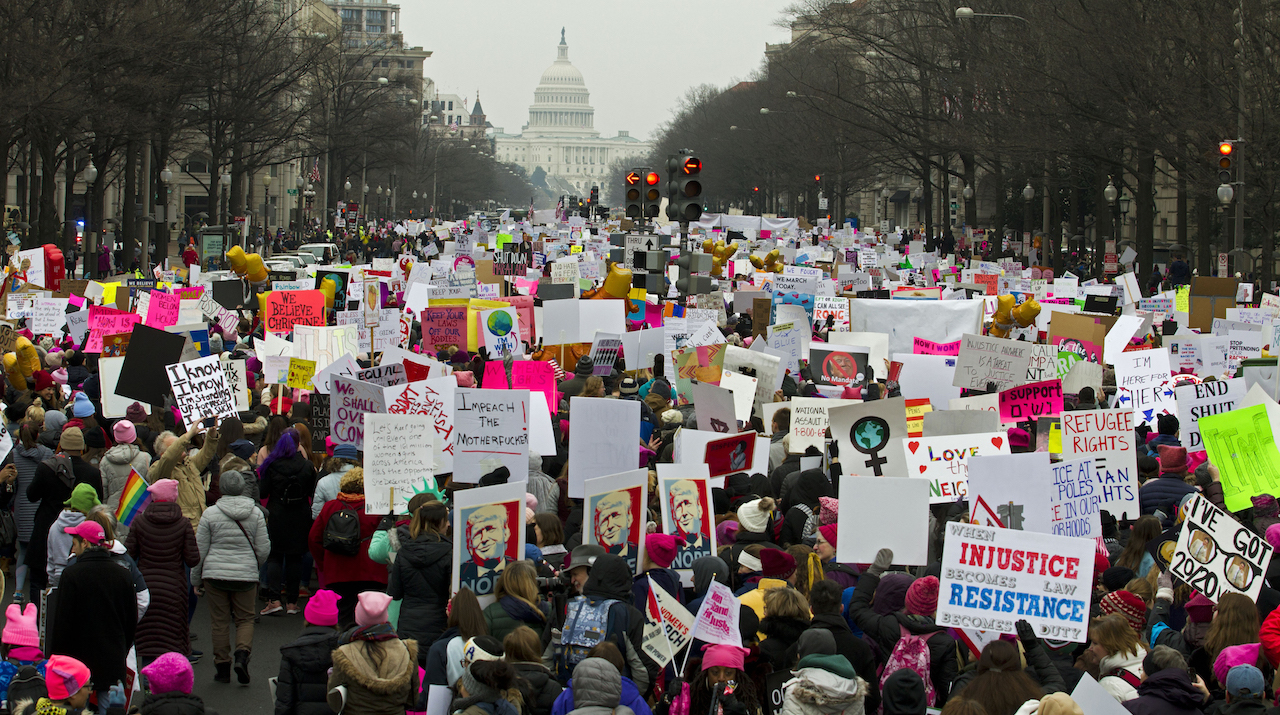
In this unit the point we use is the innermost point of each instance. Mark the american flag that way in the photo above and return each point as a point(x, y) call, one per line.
point(315, 171)
point(556, 370)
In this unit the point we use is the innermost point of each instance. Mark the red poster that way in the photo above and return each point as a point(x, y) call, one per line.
point(287, 308)
point(731, 454)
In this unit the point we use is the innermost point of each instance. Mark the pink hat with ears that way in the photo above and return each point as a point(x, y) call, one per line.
point(20, 626)
point(726, 656)
point(465, 378)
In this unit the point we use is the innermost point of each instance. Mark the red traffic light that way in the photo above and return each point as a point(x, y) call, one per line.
point(691, 165)
point(1225, 148)
point(651, 178)
point(817, 177)
point(632, 178)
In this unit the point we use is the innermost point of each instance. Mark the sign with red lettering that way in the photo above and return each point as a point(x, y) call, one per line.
point(1031, 402)
point(1106, 437)
point(944, 461)
point(444, 325)
point(993, 577)
point(287, 308)
point(433, 398)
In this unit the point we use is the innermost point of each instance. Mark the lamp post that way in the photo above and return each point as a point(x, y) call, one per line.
point(91, 185)
point(225, 181)
point(297, 222)
point(381, 82)
point(266, 202)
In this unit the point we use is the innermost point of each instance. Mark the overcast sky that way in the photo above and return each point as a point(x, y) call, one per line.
point(501, 47)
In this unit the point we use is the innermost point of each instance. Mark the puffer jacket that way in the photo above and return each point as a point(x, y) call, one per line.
point(597, 688)
point(824, 685)
point(26, 459)
point(161, 543)
point(302, 687)
point(225, 552)
point(420, 578)
point(886, 629)
point(1164, 494)
point(631, 699)
point(172, 704)
point(115, 466)
point(386, 685)
point(174, 464)
point(1119, 688)
point(59, 544)
point(539, 688)
point(1166, 692)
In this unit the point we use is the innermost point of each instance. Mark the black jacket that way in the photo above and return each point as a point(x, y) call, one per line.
point(1163, 493)
point(420, 578)
point(778, 648)
point(96, 615)
point(856, 651)
point(172, 704)
point(435, 663)
point(611, 578)
point(49, 492)
point(539, 689)
point(304, 673)
point(288, 485)
point(1166, 692)
point(886, 630)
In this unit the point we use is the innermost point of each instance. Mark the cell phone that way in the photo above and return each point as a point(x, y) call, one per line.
point(1192, 671)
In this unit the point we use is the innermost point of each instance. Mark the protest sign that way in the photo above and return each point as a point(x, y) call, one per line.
point(888, 513)
point(107, 321)
point(920, 346)
point(444, 325)
point(491, 430)
point(501, 330)
point(1106, 436)
point(983, 360)
point(1216, 554)
point(287, 308)
point(604, 353)
point(1143, 384)
point(1031, 402)
point(300, 373)
point(993, 577)
point(238, 381)
point(488, 535)
point(744, 391)
point(766, 369)
point(397, 459)
point(350, 400)
point(200, 390)
point(345, 366)
point(614, 515)
point(48, 318)
point(142, 375)
point(951, 422)
point(1074, 500)
point(603, 439)
point(384, 375)
point(162, 310)
point(1242, 446)
point(1011, 490)
point(717, 619)
point(810, 418)
point(730, 454)
point(836, 308)
point(715, 408)
point(431, 398)
point(687, 512)
point(324, 344)
point(787, 339)
point(871, 432)
point(839, 366)
point(1205, 399)
point(944, 461)
point(703, 363)
point(1043, 364)
point(667, 628)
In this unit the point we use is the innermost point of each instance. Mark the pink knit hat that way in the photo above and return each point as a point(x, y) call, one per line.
point(922, 596)
point(727, 656)
point(830, 510)
point(1232, 656)
point(322, 608)
point(1273, 535)
point(727, 533)
point(64, 676)
point(661, 549)
point(371, 608)
point(164, 490)
point(124, 432)
point(20, 627)
point(170, 673)
point(828, 532)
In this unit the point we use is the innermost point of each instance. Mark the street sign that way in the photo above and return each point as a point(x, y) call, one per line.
point(293, 192)
point(1110, 263)
point(1222, 266)
point(822, 203)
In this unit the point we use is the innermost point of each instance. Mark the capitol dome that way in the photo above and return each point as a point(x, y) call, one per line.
point(561, 103)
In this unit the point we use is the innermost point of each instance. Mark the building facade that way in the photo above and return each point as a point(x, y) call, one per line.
point(560, 143)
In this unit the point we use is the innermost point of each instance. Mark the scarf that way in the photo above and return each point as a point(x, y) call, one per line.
point(377, 632)
point(350, 498)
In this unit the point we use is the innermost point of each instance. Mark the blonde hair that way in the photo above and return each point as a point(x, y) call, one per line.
point(785, 603)
point(519, 580)
point(352, 481)
point(1115, 635)
point(35, 414)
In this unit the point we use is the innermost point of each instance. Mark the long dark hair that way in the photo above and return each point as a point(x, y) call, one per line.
point(700, 692)
point(1144, 529)
point(286, 447)
point(1001, 686)
point(230, 430)
point(466, 615)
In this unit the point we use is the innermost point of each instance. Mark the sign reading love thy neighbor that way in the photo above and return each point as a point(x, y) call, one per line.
point(200, 389)
point(944, 461)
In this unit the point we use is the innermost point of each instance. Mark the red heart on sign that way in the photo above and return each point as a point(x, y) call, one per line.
point(997, 441)
point(913, 446)
point(922, 468)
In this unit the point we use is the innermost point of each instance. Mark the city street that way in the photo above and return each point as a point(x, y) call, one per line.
point(270, 633)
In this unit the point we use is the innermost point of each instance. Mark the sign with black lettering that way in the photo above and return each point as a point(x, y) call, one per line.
point(1202, 400)
point(510, 263)
point(1217, 555)
point(200, 389)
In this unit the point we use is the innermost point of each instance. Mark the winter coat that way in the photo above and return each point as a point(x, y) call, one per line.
point(226, 554)
point(336, 568)
point(1119, 688)
point(599, 690)
point(443, 664)
point(327, 489)
point(172, 704)
point(387, 688)
point(887, 629)
point(115, 467)
point(509, 613)
point(59, 546)
point(538, 687)
point(95, 615)
point(855, 650)
point(174, 464)
point(161, 543)
point(1166, 692)
point(1163, 493)
point(782, 634)
point(26, 459)
point(573, 386)
point(545, 489)
point(302, 686)
point(824, 685)
point(844, 574)
point(287, 484)
point(420, 578)
point(630, 700)
point(48, 491)
point(666, 579)
point(754, 598)
point(45, 706)
point(611, 579)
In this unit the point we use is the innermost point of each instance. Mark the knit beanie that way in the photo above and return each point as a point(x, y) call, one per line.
point(1115, 578)
point(82, 499)
point(1231, 656)
point(322, 608)
point(475, 687)
point(64, 676)
point(1265, 505)
point(124, 432)
point(753, 516)
point(371, 608)
point(82, 407)
point(1273, 536)
point(830, 510)
point(1173, 460)
point(922, 597)
point(170, 673)
point(816, 640)
point(723, 655)
point(1127, 604)
point(41, 380)
point(20, 626)
point(727, 533)
point(829, 533)
point(135, 413)
point(481, 648)
point(231, 483)
point(661, 549)
point(165, 490)
point(775, 563)
point(903, 693)
point(1199, 609)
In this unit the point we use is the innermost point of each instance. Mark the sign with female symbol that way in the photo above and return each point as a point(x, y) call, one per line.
point(875, 429)
point(870, 435)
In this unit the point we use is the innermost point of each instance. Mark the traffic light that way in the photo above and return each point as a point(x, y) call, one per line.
point(594, 201)
point(652, 195)
point(1226, 157)
point(684, 187)
point(689, 264)
point(634, 190)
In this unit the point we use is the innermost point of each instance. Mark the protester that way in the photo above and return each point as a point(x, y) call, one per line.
point(50, 488)
point(720, 665)
point(1119, 654)
point(174, 463)
point(302, 686)
point(517, 602)
point(374, 671)
point(126, 456)
point(286, 479)
point(69, 685)
point(170, 681)
point(164, 546)
point(339, 543)
point(522, 648)
point(28, 453)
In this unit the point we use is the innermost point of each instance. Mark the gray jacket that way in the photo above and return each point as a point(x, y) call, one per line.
point(327, 489)
point(597, 688)
point(226, 552)
point(58, 549)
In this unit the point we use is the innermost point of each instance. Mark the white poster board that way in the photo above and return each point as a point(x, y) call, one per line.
point(396, 459)
point(491, 430)
point(604, 439)
point(883, 513)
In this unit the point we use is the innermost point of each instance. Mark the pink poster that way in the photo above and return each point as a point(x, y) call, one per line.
point(535, 376)
point(162, 311)
point(1031, 401)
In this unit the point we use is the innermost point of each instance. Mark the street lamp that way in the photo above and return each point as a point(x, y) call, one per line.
point(166, 176)
point(764, 110)
point(967, 13)
point(225, 181)
point(347, 186)
point(1028, 193)
point(1226, 193)
point(91, 172)
point(967, 193)
point(1110, 193)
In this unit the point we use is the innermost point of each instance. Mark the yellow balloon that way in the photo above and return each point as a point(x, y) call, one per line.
point(262, 302)
point(237, 260)
point(255, 269)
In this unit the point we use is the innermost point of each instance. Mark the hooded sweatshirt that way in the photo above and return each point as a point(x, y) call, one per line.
point(60, 544)
point(611, 579)
point(823, 685)
point(115, 466)
point(1166, 692)
point(706, 569)
point(598, 689)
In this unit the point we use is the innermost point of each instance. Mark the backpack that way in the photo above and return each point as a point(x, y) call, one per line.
point(586, 625)
point(911, 652)
point(342, 532)
point(27, 684)
point(60, 464)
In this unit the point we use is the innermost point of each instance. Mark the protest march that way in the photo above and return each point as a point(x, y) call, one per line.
point(752, 469)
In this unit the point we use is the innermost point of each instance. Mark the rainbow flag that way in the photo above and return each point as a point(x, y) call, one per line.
point(133, 499)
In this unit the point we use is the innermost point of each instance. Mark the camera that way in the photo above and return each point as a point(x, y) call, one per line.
point(559, 583)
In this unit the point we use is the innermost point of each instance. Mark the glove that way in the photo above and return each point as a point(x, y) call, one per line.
point(1026, 633)
point(733, 706)
point(1164, 587)
point(884, 559)
point(387, 522)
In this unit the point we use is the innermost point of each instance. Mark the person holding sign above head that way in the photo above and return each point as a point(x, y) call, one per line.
point(173, 463)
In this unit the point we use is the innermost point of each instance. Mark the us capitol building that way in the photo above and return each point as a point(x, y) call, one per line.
point(560, 141)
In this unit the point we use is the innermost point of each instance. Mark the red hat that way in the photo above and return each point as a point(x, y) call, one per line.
point(1100, 563)
point(830, 510)
point(776, 563)
point(661, 549)
point(829, 533)
point(41, 380)
point(922, 596)
point(1173, 460)
point(1128, 605)
point(1199, 609)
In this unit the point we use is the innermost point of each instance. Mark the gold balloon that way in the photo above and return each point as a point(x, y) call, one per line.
point(1008, 316)
point(772, 262)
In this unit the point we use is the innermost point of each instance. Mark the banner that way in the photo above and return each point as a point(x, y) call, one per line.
point(1216, 554)
point(717, 620)
point(944, 461)
point(488, 534)
point(993, 577)
point(615, 515)
point(1106, 436)
point(1030, 402)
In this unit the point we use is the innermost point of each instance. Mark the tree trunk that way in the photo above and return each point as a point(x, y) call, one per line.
point(1204, 232)
point(129, 221)
point(68, 196)
point(1145, 235)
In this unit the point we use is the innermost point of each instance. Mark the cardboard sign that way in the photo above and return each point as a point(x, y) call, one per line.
point(984, 360)
point(870, 436)
point(1106, 436)
point(1031, 402)
point(396, 460)
point(501, 330)
point(716, 411)
point(836, 308)
point(1011, 491)
point(238, 381)
point(300, 373)
point(921, 346)
point(687, 512)
point(432, 399)
point(163, 309)
point(603, 439)
point(839, 366)
point(107, 321)
point(1216, 554)
point(288, 308)
point(1074, 500)
point(810, 417)
point(1204, 400)
point(944, 461)
point(730, 455)
point(444, 325)
point(1143, 384)
point(1242, 446)
point(614, 515)
point(992, 577)
point(349, 402)
point(488, 534)
point(200, 390)
point(888, 513)
point(142, 375)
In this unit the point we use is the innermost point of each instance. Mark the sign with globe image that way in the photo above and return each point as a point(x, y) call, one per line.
point(501, 330)
point(870, 435)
